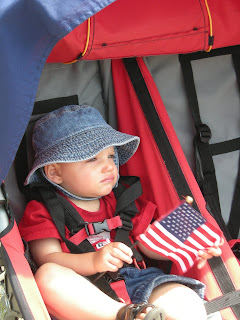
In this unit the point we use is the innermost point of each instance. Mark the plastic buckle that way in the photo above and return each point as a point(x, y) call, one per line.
point(113, 276)
point(98, 227)
point(204, 132)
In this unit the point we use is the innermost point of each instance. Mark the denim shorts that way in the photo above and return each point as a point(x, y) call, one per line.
point(140, 283)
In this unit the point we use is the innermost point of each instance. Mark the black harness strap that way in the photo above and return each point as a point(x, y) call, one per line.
point(64, 214)
point(223, 302)
point(127, 196)
point(225, 146)
point(234, 218)
point(206, 176)
point(155, 125)
point(126, 209)
point(175, 172)
point(54, 205)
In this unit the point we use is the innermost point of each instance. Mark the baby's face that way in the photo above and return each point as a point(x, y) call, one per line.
point(95, 177)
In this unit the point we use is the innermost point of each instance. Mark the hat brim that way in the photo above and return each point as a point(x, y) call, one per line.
point(84, 146)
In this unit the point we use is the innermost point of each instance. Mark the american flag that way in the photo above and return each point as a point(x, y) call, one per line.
point(180, 235)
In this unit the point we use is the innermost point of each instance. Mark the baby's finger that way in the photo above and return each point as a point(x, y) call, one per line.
point(215, 251)
point(204, 254)
point(124, 248)
point(122, 256)
point(123, 252)
point(114, 264)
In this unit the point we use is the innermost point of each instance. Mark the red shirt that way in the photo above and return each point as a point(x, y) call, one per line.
point(38, 224)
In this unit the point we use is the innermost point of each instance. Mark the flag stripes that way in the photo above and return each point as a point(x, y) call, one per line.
point(180, 235)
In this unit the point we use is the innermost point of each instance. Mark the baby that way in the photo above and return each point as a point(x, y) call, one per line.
point(79, 154)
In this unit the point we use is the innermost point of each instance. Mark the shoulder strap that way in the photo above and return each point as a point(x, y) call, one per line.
point(58, 213)
point(126, 208)
point(64, 214)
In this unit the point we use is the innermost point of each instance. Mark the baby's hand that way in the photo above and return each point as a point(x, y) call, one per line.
point(112, 257)
point(204, 255)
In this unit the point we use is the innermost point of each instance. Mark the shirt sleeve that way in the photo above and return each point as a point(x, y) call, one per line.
point(142, 219)
point(37, 223)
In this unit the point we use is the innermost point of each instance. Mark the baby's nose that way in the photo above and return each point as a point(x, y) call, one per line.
point(108, 165)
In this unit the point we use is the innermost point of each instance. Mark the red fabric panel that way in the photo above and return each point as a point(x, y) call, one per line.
point(136, 27)
point(226, 22)
point(13, 245)
point(148, 164)
point(142, 28)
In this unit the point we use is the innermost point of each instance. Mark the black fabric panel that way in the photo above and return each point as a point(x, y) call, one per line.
point(40, 107)
point(48, 105)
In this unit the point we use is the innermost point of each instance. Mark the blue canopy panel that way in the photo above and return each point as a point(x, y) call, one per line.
point(28, 32)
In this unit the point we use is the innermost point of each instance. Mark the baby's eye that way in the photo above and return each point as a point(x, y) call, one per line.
point(111, 156)
point(92, 160)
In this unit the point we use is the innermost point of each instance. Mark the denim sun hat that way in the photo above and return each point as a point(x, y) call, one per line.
point(76, 133)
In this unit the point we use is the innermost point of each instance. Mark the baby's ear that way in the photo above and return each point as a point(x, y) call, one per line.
point(53, 172)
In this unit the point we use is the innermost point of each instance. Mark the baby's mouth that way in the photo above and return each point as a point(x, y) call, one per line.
point(108, 179)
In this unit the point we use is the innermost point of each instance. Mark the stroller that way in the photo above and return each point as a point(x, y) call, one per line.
point(167, 72)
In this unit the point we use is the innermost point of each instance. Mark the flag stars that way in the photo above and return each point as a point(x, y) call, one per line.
point(183, 221)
